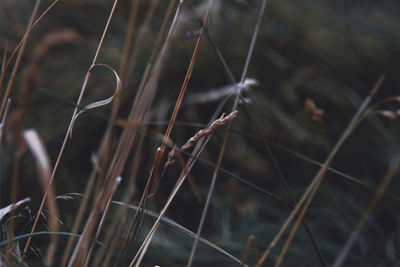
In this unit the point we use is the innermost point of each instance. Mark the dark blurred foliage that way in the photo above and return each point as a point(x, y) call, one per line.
point(329, 52)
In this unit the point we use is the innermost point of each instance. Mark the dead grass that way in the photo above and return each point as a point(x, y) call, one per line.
point(248, 172)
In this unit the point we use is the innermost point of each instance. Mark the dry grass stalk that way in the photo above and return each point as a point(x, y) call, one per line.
point(153, 61)
point(140, 42)
point(190, 179)
point(199, 147)
point(142, 104)
point(30, 76)
point(186, 170)
point(37, 148)
point(81, 211)
point(313, 187)
point(137, 121)
point(200, 134)
point(105, 145)
point(19, 57)
point(367, 213)
point(142, 203)
point(99, 103)
point(137, 113)
point(84, 85)
point(118, 226)
point(117, 182)
point(129, 40)
point(172, 155)
point(184, 174)
point(25, 91)
point(6, 97)
point(20, 48)
point(14, 195)
point(187, 77)
point(3, 119)
point(210, 130)
point(251, 244)
point(142, 101)
point(143, 248)
point(30, 137)
point(3, 67)
point(225, 141)
point(354, 180)
point(30, 30)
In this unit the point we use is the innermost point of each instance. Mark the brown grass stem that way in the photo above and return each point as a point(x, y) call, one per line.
point(339, 261)
point(185, 172)
point(146, 191)
point(79, 216)
point(119, 225)
point(140, 41)
point(14, 194)
point(243, 183)
point(10, 83)
point(30, 30)
point(351, 127)
point(187, 76)
point(141, 105)
point(357, 181)
point(5, 62)
point(140, 253)
point(319, 176)
point(129, 39)
point(3, 119)
point(142, 102)
point(137, 112)
point(225, 140)
point(190, 163)
point(208, 199)
point(209, 130)
point(3, 67)
point(19, 57)
point(251, 244)
point(176, 109)
point(105, 144)
point(67, 134)
point(104, 215)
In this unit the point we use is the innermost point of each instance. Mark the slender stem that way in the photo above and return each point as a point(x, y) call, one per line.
point(223, 147)
point(19, 57)
point(187, 77)
point(319, 176)
point(116, 184)
point(67, 134)
point(378, 195)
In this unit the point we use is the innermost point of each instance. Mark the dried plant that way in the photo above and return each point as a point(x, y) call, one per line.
point(249, 186)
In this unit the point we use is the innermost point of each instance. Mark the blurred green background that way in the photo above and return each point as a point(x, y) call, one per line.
point(331, 52)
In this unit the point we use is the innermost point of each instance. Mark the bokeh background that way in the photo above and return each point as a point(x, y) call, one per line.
point(323, 53)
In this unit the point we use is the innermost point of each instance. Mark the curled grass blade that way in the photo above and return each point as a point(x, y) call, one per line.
point(69, 128)
point(99, 103)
